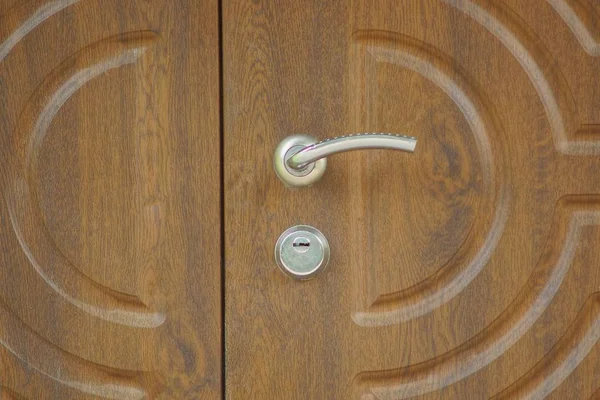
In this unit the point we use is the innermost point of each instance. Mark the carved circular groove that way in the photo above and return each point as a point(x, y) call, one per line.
point(22, 197)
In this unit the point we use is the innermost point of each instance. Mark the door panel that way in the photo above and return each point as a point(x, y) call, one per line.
point(109, 280)
point(469, 269)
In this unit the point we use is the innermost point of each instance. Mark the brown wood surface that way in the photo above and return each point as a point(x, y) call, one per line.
point(467, 270)
point(110, 212)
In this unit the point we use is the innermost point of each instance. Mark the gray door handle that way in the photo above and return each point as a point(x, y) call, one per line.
point(300, 160)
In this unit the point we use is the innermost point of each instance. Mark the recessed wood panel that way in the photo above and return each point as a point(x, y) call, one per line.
point(468, 269)
point(110, 267)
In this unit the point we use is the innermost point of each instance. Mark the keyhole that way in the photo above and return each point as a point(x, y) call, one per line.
point(301, 244)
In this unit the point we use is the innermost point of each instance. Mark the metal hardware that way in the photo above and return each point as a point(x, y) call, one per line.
point(301, 161)
point(302, 251)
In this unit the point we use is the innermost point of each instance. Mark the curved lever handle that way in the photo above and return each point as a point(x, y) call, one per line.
point(360, 141)
point(301, 161)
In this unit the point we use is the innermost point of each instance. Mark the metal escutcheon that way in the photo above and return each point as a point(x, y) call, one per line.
point(302, 252)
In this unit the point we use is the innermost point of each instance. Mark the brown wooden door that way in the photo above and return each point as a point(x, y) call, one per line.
point(467, 270)
point(110, 212)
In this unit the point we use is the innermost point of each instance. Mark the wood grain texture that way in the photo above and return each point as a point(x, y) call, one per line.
point(110, 232)
point(469, 269)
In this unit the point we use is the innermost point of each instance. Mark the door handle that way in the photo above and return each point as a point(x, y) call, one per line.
point(300, 160)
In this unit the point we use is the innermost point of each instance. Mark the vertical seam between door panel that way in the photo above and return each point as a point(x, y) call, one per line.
point(222, 192)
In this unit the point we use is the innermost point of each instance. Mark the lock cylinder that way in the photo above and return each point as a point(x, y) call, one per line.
point(301, 252)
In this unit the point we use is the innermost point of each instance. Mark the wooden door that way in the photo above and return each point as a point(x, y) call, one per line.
point(467, 270)
point(109, 176)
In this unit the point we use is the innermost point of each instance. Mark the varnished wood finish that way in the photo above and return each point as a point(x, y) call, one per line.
point(468, 270)
point(110, 232)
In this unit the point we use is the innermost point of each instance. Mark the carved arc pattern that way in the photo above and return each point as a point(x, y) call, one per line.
point(104, 200)
point(472, 257)
point(572, 214)
point(536, 60)
point(18, 342)
point(559, 363)
point(39, 11)
point(25, 215)
point(577, 16)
